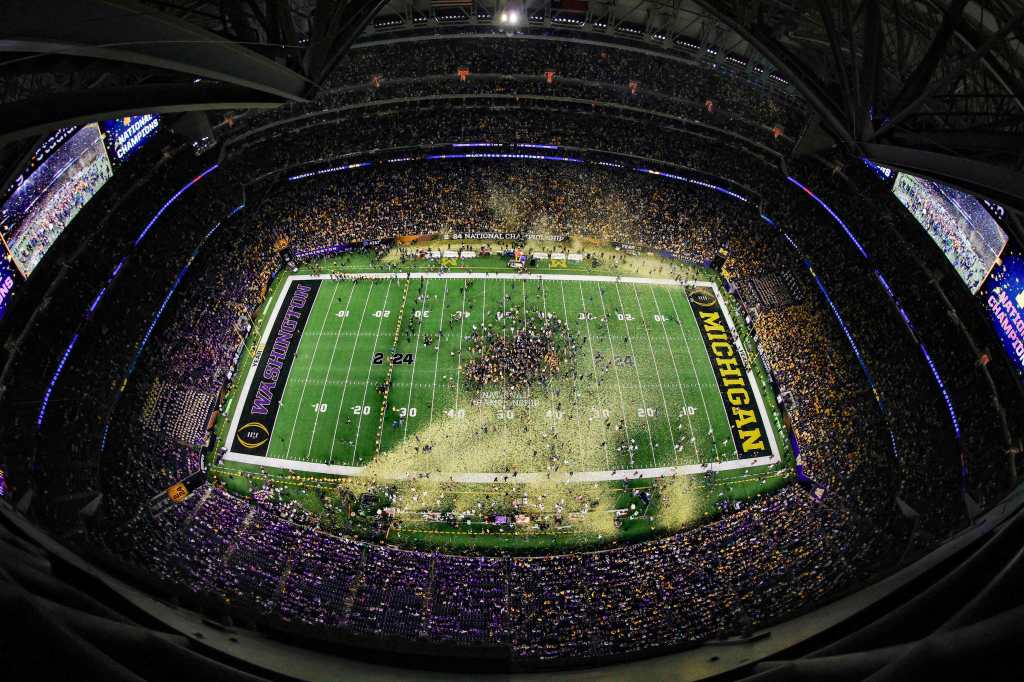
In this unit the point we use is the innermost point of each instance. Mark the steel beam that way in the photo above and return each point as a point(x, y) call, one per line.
point(995, 182)
point(337, 25)
point(125, 31)
point(40, 114)
point(789, 65)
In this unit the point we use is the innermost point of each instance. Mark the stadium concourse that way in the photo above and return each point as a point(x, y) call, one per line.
point(890, 425)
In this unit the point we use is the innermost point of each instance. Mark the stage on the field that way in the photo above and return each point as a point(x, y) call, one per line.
point(365, 370)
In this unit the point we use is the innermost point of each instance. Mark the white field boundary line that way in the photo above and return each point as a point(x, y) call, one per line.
point(251, 374)
point(503, 477)
point(566, 277)
point(610, 475)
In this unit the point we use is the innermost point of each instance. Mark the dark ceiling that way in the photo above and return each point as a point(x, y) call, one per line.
point(933, 86)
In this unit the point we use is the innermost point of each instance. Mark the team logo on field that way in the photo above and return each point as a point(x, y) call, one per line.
point(253, 435)
point(703, 298)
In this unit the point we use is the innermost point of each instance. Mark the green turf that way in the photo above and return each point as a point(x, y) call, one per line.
point(331, 411)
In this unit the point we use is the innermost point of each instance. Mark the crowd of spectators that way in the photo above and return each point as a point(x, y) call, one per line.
point(636, 137)
point(692, 92)
point(777, 555)
point(866, 444)
point(538, 198)
point(961, 343)
point(670, 76)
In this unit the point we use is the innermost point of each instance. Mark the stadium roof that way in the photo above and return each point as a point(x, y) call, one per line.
point(932, 86)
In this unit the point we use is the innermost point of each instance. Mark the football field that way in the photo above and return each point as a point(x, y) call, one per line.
point(358, 369)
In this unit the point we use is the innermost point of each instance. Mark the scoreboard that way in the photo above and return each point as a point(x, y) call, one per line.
point(64, 172)
point(124, 136)
point(960, 225)
point(1003, 297)
point(7, 282)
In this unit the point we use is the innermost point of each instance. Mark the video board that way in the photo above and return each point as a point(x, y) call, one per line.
point(957, 222)
point(63, 174)
point(1003, 294)
point(124, 136)
point(38, 210)
point(47, 146)
point(7, 282)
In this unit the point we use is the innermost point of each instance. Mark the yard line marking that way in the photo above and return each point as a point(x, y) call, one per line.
point(337, 333)
point(395, 336)
point(369, 370)
point(611, 343)
point(458, 363)
point(524, 316)
point(330, 367)
point(622, 401)
point(309, 368)
point(696, 375)
point(462, 333)
point(657, 371)
point(575, 379)
point(437, 355)
point(643, 396)
point(416, 349)
point(544, 311)
point(348, 372)
point(675, 368)
point(552, 415)
point(505, 423)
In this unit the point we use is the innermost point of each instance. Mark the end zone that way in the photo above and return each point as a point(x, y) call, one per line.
point(261, 399)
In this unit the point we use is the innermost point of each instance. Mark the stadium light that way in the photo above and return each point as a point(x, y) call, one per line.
point(509, 16)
